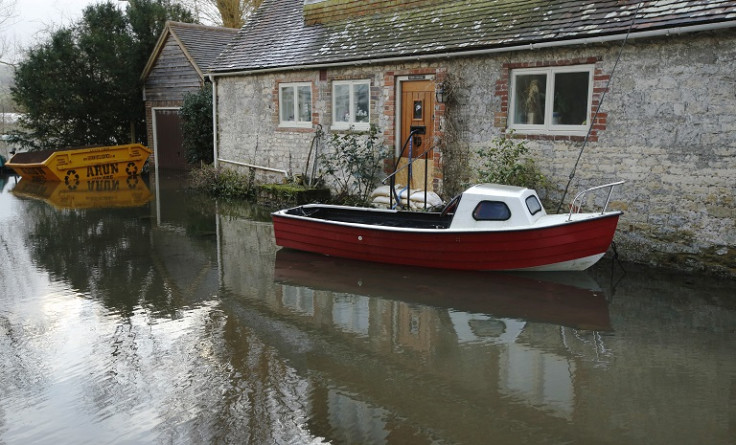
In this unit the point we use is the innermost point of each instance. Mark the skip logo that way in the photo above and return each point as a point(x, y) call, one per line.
point(97, 171)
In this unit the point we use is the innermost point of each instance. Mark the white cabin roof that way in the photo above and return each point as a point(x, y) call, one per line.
point(514, 198)
point(496, 190)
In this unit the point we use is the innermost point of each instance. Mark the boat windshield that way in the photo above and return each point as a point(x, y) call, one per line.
point(491, 211)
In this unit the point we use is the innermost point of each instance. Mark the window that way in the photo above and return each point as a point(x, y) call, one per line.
point(491, 211)
point(551, 100)
point(533, 204)
point(351, 102)
point(295, 105)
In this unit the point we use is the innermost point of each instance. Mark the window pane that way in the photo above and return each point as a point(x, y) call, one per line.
point(491, 211)
point(529, 94)
point(418, 110)
point(362, 102)
point(533, 204)
point(305, 103)
point(287, 104)
point(342, 103)
point(571, 99)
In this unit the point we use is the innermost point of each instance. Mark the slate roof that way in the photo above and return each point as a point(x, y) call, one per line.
point(277, 35)
point(201, 44)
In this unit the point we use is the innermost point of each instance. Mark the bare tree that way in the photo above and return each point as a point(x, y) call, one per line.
point(7, 12)
point(228, 13)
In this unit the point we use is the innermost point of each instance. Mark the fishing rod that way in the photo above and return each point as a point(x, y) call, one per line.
point(598, 107)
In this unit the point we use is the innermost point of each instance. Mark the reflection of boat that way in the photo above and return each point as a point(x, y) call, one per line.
point(103, 193)
point(488, 227)
point(570, 299)
point(75, 165)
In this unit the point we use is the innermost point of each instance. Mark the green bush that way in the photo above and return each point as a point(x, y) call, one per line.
point(196, 126)
point(507, 161)
point(352, 162)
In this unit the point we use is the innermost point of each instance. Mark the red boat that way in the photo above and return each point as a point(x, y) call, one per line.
point(487, 227)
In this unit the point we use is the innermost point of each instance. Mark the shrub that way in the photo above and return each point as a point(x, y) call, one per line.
point(352, 162)
point(507, 162)
point(196, 126)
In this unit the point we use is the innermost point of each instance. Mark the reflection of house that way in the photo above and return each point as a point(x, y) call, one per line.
point(176, 67)
point(539, 68)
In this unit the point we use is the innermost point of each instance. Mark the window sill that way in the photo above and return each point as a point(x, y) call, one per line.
point(546, 131)
point(295, 126)
point(347, 127)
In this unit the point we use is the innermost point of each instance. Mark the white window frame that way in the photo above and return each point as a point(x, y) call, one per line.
point(340, 125)
point(548, 127)
point(296, 123)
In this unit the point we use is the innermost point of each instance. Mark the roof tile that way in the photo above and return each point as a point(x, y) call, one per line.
point(278, 35)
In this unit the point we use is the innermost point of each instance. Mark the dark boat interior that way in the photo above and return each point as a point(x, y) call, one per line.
point(414, 220)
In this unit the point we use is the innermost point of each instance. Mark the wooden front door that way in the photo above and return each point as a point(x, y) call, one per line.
point(417, 112)
point(169, 140)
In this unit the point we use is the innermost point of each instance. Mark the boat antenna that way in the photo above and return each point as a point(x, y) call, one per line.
point(598, 107)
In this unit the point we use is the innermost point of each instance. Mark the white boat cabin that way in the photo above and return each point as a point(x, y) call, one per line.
point(494, 206)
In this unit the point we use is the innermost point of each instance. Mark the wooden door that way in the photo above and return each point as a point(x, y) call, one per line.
point(169, 140)
point(417, 112)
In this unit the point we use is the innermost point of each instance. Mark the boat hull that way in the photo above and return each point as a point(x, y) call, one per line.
point(574, 245)
point(83, 164)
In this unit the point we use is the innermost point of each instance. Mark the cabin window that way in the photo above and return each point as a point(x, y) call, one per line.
point(533, 204)
point(491, 211)
point(351, 104)
point(295, 105)
point(552, 100)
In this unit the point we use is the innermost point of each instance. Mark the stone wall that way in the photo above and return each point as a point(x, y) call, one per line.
point(668, 127)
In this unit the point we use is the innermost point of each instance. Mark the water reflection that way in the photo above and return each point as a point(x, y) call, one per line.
point(424, 357)
point(432, 315)
point(384, 343)
point(572, 299)
point(102, 193)
point(179, 321)
point(119, 256)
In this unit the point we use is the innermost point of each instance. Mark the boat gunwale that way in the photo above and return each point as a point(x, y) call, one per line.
point(578, 218)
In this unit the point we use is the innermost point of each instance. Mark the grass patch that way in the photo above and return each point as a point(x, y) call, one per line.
point(224, 183)
point(279, 195)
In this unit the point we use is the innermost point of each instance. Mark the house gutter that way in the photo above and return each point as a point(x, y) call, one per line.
point(479, 52)
point(214, 122)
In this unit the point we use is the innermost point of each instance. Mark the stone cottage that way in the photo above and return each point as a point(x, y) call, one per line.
point(176, 67)
point(641, 91)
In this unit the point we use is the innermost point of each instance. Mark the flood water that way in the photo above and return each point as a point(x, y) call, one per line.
point(133, 312)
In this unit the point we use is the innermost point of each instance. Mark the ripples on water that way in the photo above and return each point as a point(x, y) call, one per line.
point(177, 322)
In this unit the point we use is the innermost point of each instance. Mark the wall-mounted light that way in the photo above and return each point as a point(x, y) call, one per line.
point(439, 93)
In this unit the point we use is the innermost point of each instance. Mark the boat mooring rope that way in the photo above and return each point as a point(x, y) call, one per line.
point(598, 107)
